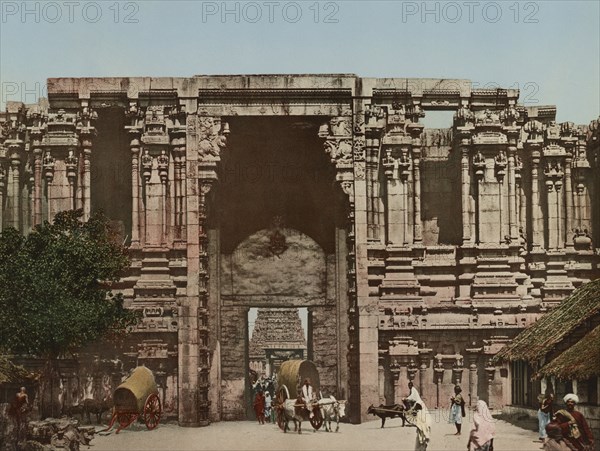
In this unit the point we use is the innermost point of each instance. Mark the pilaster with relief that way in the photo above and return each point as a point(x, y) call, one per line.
point(14, 136)
point(211, 134)
point(37, 120)
point(490, 178)
point(400, 164)
point(60, 141)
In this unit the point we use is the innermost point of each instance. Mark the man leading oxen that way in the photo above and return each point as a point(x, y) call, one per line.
point(332, 410)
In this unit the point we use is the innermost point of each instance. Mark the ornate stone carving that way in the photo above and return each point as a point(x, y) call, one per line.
point(48, 165)
point(479, 165)
point(146, 160)
point(163, 166)
point(500, 165)
point(464, 117)
point(212, 137)
point(71, 164)
point(359, 148)
point(339, 151)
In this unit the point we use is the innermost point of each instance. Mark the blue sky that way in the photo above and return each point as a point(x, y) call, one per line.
point(549, 49)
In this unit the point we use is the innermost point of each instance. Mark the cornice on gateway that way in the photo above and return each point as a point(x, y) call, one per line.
point(285, 95)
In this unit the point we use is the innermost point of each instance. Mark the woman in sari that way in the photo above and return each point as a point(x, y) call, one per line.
point(482, 434)
point(419, 416)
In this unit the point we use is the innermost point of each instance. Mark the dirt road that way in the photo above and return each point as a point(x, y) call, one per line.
point(248, 435)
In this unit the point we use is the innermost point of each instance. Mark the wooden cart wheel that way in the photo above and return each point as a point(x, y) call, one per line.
point(280, 417)
point(152, 411)
point(317, 420)
point(125, 419)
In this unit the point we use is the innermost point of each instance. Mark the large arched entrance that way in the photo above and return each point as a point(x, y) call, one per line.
point(277, 227)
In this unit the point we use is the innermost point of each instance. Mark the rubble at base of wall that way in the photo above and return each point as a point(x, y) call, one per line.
point(54, 434)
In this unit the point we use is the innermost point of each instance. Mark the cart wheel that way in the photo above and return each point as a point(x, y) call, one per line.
point(317, 420)
point(125, 419)
point(152, 411)
point(280, 417)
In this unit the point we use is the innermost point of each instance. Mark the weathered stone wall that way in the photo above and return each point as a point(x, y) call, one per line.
point(325, 348)
point(449, 359)
point(234, 330)
point(254, 270)
point(440, 195)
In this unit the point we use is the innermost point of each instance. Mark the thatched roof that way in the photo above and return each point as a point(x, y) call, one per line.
point(11, 373)
point(541, 337)
point(581, 361)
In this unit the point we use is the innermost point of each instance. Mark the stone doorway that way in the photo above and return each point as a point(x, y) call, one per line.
point(275, 335)
point(278, 220)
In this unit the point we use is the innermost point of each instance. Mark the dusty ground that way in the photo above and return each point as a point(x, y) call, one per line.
point(248, 435)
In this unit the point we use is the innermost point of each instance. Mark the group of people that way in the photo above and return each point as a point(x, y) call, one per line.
point(566, 429)
point(481, 437)
point(262, 406)
point(264, 391)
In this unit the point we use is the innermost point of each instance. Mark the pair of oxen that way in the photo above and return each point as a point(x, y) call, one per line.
point(325, 410)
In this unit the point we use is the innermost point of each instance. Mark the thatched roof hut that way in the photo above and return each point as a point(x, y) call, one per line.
point(566, 341)
point(581, 361)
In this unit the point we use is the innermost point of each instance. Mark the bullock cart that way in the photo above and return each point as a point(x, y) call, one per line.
point(136, 397)
point(291, 376)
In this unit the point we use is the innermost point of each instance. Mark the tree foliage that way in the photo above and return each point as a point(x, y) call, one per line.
point(55, 286)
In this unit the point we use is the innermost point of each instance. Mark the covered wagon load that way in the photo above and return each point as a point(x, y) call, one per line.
point(138, 395)
point(292, 375)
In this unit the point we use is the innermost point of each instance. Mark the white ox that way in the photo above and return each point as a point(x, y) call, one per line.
point(332, 410)
point(293, 409)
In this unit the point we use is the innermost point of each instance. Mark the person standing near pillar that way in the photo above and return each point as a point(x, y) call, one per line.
point(457, 409)
point(259, 406)
point(545, 415)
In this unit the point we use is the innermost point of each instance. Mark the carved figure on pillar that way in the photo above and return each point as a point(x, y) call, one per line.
point(212, 137)
point(48, 164)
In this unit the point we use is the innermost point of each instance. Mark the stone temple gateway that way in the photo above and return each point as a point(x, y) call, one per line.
point(418, 252)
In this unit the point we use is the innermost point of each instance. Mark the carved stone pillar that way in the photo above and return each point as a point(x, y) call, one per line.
point(60, 141)
point(86, 128)
point(533, 145)
point(418, 225)
point(37, 127)
point(465, 184)
point(512, 200)
point(422, 376)
point(438, 375)
point(15, 186)
point(381, 374)
point(206, 137)
point(393, 199)
point(71, 163)
point(521, 198)
point(567, 235)
point(396, 370)
point(537, 239)
point(134, 134)
point(179, 165)
point(473, 397)
point(490, 371)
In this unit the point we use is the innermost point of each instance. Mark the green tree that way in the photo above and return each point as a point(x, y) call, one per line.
point(55, 286)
